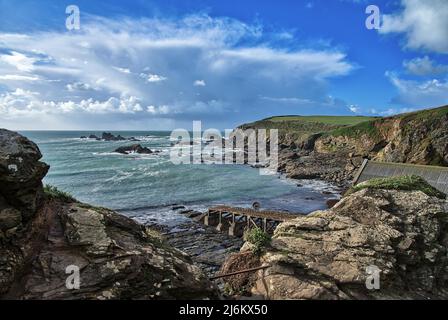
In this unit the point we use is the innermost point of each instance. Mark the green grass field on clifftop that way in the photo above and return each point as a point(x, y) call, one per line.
point(341, 125)
point(335, 120)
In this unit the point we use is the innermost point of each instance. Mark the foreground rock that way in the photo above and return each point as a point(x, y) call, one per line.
point(21, 176)
point(207, 247)
point(41, 237)
point(325, 255)
point(135, 148)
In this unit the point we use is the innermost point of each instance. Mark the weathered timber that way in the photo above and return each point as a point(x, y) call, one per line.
point(235, 220)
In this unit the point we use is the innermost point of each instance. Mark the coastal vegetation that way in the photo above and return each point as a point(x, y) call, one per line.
point(335, 120)
point(404, 183)
point(258, 238)
point(53, 192)
point(351, 126)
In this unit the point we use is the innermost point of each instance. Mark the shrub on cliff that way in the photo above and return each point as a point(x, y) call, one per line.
point(258, 238)
point(406, 183)
point(54, 193)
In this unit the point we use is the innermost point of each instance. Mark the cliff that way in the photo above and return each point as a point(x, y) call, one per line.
point(45, 236)
point(332, 148)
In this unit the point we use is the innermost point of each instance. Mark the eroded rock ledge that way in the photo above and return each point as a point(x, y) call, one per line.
point(325, 255)
point(41, 236)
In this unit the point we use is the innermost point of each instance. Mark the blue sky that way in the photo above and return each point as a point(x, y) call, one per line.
point(158, 65)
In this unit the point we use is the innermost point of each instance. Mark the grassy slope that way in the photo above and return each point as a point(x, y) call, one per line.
point(306, 125)
point(301, 128)
point(341, 125)
point(370, 127)
point(332, 120)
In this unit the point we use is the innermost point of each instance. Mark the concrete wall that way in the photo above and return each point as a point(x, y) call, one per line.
point(436, 176)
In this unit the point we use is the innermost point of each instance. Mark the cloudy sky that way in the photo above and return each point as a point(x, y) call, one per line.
point(158, 65)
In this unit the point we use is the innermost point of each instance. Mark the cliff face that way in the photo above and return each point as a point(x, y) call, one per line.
point(331, 148)
point(43, 238)
point(331, 254)
point(419, 138)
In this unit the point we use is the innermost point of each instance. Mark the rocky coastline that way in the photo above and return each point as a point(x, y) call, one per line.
point(46, 233)
point(330, 152)
point(328, 254)
point(401, 236)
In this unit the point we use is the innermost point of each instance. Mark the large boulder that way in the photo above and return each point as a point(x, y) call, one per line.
point(402, 236)
point(117, 258)
point(21, 175)
point(21, 194)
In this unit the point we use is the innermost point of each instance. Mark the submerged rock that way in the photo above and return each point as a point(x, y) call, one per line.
point(331, 254)
point(45, 240)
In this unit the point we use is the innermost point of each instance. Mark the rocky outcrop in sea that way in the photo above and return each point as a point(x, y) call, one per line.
point(107, 136)
point(135, 148)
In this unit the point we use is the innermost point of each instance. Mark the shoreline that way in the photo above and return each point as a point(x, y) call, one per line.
point(208, 247)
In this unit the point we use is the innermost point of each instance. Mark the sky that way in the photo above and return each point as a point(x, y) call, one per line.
point(159, 65)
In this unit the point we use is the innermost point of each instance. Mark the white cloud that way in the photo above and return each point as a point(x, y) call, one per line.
point(152, 77)
point(199, 83)
point(428, 93)
point(122, 70)
point(22, 102)
point(77, 74)
point(20, 61)
point(18, 77)
point(424, 23)
point(354, 109)
point(160, 110)
point(424, 67)
point(78, 86)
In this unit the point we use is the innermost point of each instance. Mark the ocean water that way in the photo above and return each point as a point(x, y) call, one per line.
point(146, 186)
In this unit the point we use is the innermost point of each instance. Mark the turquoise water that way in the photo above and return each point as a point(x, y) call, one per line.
point(146, 186)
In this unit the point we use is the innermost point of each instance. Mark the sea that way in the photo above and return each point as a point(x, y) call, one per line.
point(146, 187)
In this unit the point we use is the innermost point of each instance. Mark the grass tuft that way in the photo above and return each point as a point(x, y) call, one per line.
point(406, 183)
point(54, 193)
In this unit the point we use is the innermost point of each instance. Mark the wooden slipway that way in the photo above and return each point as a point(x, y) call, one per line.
point(236, 220)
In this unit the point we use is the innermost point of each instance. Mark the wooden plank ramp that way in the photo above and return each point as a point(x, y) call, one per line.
point(271, 215)
point(236, 221)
